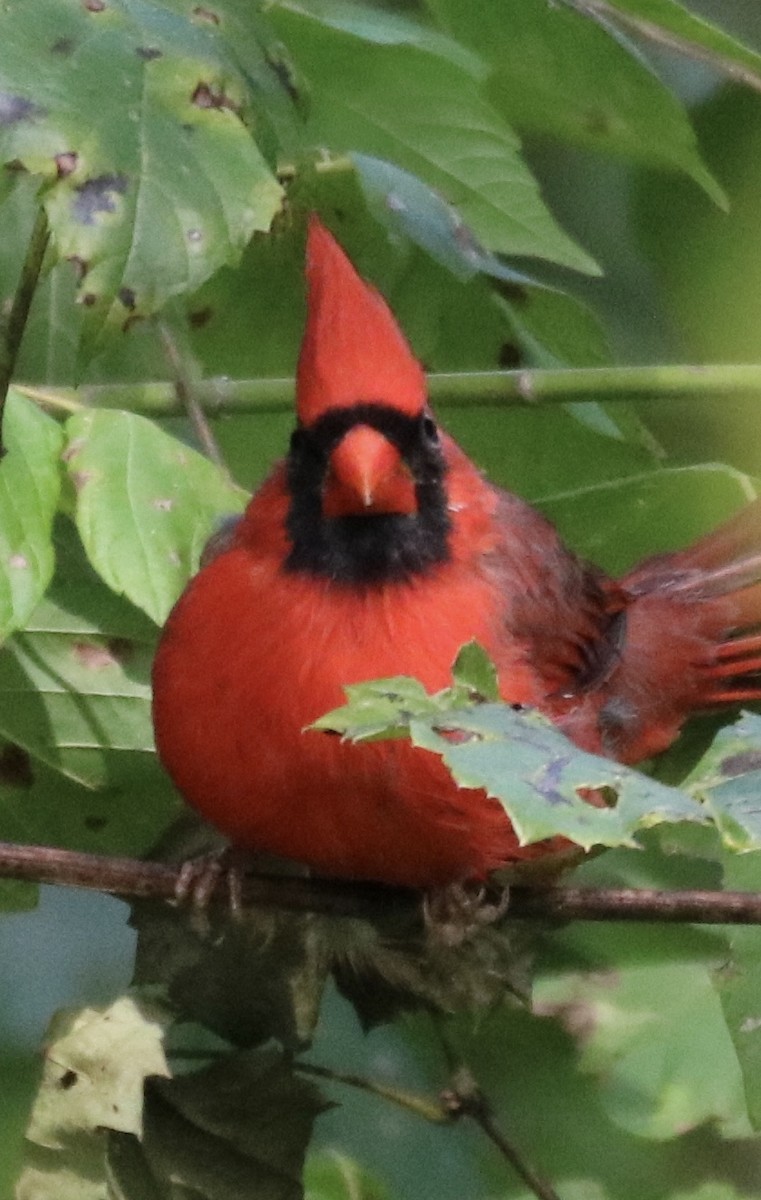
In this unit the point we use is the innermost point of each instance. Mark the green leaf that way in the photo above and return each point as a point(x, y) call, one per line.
point(646, 513)
point(737, 980)
point(145, 505)
point(78, 768)
point(385, 28)
point(30, 483)
point(647, 17)
point(556, 72)
point(134, 113)
point(649, 1026)
point(408, 206)
point(231, 1131)
point(728, 781)
point(518, 757)
point(72, 693)
point(331, 1175)
point(428, 117)
point(540, 777)
point(474, 671)
point(95, 1063)
point(381, 708)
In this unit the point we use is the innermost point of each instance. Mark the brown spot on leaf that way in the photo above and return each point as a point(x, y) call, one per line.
point(200, 317)
point(15, 766)
point(121, 649)
point(206, 14)
point(93, 656)
point(148, 53)
point(94, 5)
point(510, 356)
point(80, 479)
point(67, 1080)
point(16, 166)
point(81, 267)
point(131, 320)
point(14, 109)
point(514, 292)
point(578, 1015)
point(208, 96)
point(65, 163)
point(579, 1019)
point(741, 763)
point(163, 504)
point(285, 75)
point(597, 123)
point(127, 297)
point(73, 448)
point(88, 299)
point(64, 46)
point(96, 196)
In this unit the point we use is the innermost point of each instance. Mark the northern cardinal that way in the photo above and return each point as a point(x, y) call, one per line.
point(376, 548)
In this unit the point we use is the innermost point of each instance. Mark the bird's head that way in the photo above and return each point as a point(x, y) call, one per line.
point(357, 378)
point(366, 467)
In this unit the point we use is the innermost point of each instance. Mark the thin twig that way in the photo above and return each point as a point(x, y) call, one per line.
point(13, 334)
point(185, 390)
point(413, 1102)
point(131, 877)
point(714, 382)
point(465, 1099)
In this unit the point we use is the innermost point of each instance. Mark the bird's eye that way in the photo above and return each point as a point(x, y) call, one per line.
point(430, 431)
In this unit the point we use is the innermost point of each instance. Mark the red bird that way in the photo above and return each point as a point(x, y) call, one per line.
point(377, 548)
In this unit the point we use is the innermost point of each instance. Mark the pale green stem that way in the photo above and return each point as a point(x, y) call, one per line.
point(463, 389)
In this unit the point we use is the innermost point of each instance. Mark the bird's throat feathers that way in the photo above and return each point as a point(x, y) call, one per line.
point(380, 544)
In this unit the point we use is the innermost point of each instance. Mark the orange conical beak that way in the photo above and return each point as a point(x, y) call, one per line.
point(353, 351)
point(367, 474)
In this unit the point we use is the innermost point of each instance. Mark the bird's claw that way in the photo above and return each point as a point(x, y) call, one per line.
point(453, 914)
point(199, 879)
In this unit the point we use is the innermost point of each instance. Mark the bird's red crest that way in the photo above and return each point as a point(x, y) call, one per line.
point(353, 350)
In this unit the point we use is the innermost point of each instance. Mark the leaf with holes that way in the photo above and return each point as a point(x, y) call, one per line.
point(30, 482)
point(728, 781)
point(145, 505)
point(520, 758)
point(135, 115)
point(96, 1061)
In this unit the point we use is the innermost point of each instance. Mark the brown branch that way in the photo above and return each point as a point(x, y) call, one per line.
point(131, 877)
point(465, 1099)
point(421, 1106)
point(185, 390)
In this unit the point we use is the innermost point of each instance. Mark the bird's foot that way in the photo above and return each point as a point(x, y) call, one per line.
point(200, 878)
point(455, 913)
